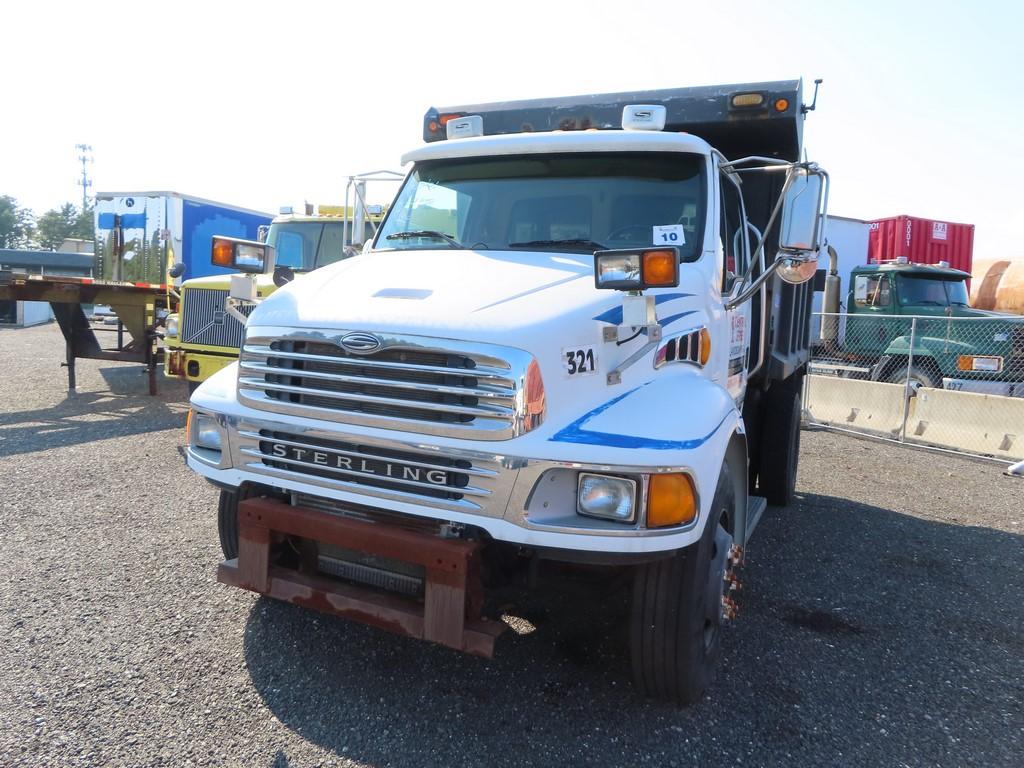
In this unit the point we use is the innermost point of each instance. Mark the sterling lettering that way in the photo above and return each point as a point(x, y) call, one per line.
point(359, 465)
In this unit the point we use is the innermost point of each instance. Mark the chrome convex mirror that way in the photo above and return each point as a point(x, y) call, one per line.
point(802, 213)
point(796, 270)
point(800, 229)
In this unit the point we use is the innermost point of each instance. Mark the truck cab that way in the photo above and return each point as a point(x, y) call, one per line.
point(578, 337)
point(907, 321)
point(204, 337)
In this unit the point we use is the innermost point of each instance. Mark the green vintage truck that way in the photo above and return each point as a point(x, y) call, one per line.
point(905, 321)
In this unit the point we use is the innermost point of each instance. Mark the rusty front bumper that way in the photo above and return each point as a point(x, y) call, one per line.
point(449, 612)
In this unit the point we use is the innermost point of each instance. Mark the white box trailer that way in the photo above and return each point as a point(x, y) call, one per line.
point(849, 238)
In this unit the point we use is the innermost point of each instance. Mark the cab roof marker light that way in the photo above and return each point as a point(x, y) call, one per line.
point(748, 101)
point(643, 117)
point(464, 127)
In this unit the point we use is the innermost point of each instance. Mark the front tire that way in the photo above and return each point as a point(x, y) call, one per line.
point(676, 620)
point(918, 375)
point(227, 522)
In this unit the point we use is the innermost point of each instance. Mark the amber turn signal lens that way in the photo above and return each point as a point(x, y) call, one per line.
point(188, 426)
point(705, 346)
point(223, 252)
point(781, 105)
point(659, 268)
point(671, 500)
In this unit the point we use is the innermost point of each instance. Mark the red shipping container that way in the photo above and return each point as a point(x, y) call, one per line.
point(922, 241)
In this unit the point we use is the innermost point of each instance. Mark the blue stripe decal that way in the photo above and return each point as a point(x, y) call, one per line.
point(128, 221)
point(574, 433)
point(614, 315)
point(672, 318)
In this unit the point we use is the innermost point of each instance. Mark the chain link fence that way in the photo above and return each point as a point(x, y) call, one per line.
point(950, 382)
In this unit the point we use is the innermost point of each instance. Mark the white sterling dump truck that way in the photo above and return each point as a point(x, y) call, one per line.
point(578, 336)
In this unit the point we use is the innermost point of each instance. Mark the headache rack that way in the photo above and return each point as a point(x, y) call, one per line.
point(719, 114)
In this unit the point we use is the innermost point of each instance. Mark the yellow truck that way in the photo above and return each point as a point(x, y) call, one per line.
point(203, 336)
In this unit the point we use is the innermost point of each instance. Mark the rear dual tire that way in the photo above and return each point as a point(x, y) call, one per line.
point(780, 443)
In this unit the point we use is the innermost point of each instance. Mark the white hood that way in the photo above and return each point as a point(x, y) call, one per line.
point(542, 303)
point(446, 293)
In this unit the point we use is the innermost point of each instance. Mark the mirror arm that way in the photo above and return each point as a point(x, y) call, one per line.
point(754, 287)
point(759, 252)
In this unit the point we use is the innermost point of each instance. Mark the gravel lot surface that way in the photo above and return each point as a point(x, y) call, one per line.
point(881, 621)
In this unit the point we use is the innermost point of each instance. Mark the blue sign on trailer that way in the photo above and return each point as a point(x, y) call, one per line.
point(201, 221)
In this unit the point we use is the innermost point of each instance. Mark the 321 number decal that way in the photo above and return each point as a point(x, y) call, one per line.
point(579, 362)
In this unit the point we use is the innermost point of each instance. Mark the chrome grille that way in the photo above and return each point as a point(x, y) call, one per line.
point(370, 469)
point(416, 384)
point(204, 319)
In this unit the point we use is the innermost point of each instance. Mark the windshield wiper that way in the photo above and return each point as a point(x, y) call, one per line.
point(573, 241)
point(431, 233)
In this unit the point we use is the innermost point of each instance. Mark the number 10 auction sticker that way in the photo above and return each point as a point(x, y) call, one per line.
point(669, 234)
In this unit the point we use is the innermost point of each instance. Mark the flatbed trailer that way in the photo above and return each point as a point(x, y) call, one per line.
point(140, 309)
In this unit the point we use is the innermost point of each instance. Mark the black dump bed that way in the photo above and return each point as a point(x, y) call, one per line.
point(705, 111)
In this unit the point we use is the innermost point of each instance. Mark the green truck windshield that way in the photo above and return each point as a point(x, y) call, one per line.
point(928, 291)
point(571, 202)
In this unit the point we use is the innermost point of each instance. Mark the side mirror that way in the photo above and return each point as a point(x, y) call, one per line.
point(177, 270)
point(283, 275)
point(261, 232)
point(800, 229)
point(242, 255)
point(796, 270)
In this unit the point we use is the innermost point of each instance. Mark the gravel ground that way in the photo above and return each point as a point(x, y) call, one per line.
point(881, 621)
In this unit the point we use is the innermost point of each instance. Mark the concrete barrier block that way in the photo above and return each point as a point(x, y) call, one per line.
point(869, 406)
point(991, 425)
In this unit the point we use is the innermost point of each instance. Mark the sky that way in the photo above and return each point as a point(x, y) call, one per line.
point(269, 104)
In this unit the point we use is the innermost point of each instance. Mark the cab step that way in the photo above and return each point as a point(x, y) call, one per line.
point(756, 506)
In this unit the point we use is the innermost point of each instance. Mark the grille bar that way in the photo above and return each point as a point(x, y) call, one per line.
point(362, 454)
point(360, 398)
point(494, 375)
point(436, 488)
point(343, 484)
point(265, 368)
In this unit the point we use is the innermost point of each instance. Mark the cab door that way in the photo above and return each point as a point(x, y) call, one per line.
point(871, 324)
point(735, 255)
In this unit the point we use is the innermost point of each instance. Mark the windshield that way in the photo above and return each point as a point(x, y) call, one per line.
point(930, 291)
point(565, 202)
point(306, 245)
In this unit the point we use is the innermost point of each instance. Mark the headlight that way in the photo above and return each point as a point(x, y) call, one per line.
point(206, 432)
point(611, 498)
point(172, 325)
point(633, 270)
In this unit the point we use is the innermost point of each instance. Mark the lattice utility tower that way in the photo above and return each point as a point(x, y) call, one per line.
point(84, 158)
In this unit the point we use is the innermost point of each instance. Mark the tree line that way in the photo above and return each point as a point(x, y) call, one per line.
point(21, 228)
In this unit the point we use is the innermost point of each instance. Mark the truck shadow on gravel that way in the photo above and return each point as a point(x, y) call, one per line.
point(90, 416)
point(865, 635)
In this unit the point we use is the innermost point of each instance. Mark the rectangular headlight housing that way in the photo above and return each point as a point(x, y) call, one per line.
point(206, 432)
point(607, 497)
point(241, 255)
point(636, 269)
